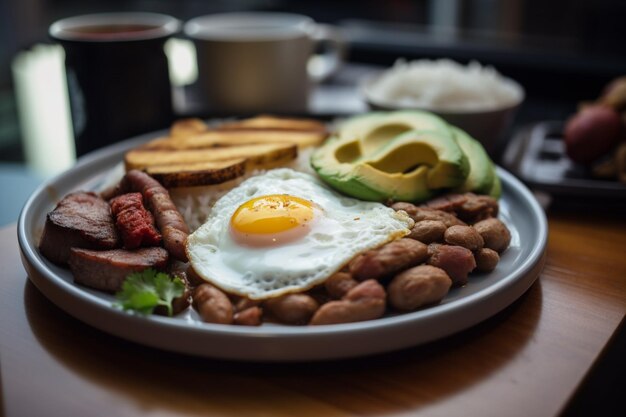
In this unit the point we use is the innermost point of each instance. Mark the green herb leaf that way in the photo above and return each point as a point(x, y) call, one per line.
point(144, 291)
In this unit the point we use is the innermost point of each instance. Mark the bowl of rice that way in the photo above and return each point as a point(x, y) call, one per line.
point(473, 97)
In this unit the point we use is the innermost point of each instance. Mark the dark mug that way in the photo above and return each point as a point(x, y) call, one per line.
point(117, 75)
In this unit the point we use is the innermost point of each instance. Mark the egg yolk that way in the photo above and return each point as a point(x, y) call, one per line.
point(271, 219)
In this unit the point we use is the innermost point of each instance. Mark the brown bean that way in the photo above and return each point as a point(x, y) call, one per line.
point(428, 231)
point(465, 236)
point(388, 259)
point(366, 289)
point(292, 308)
point(250, 316)
point(243, 303)
point(457, 261)
point(366, 301)
point(486, 259)
point(495, 234)
point(338, 284)
point(424, 213)
point(417, 287)
point(213, 305)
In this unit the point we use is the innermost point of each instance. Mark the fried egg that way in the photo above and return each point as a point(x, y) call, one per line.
point(285, 231)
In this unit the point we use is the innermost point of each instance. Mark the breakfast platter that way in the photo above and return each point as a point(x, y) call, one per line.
point(486, 294)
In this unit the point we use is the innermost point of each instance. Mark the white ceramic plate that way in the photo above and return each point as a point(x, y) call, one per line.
point(484, 295)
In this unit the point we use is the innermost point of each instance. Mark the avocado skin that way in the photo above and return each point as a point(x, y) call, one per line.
point(482, 173)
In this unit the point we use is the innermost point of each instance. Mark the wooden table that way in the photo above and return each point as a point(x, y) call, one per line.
point(529, 360)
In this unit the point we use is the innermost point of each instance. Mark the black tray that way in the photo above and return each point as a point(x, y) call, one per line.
point(536, 155)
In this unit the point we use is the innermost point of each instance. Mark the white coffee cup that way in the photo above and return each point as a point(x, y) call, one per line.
point(261, 61)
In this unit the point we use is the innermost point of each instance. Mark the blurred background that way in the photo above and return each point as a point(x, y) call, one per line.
point(561, 51)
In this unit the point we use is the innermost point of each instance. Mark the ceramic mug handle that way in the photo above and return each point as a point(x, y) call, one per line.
point(323, 65)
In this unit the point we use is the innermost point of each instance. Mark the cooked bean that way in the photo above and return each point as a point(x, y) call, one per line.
point(465, 236)
point(486, 259)
point(457, 261)
point(292, 308)
point(213, 305)
point(366, 301)
point(468, 207)
point(338, 284)
point(432, 248)
point(243, 303)
point(418, 286)
point(250, 316)
point(388, 259)
point(428, 231)
point(495, 234)
point(424, 213)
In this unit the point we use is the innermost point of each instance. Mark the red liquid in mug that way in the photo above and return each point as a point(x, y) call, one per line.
point(111, 31)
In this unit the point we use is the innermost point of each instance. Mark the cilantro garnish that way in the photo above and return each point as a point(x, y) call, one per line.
point(144, 291)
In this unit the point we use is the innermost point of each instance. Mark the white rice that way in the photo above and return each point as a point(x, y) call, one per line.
point(443, 85)
point(195, 203)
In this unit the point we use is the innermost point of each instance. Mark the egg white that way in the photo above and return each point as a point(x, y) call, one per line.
point(343, 227)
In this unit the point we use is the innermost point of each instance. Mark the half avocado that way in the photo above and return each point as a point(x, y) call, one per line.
point(410, 166)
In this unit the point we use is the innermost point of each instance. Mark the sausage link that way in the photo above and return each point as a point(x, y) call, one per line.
point(366, 301)
point(388, 259)
point(213, 305)
point(417, 287)
point(168, 220)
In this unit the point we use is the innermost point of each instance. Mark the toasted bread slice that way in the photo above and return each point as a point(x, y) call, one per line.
point(257, 155)
point(187, 127)
point(274, 123)
point(209, 139)
point(199, 173)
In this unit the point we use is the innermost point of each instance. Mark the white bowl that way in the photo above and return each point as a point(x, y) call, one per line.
point(487, 126)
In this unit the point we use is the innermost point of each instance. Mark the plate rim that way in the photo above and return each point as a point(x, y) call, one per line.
point(57, 289)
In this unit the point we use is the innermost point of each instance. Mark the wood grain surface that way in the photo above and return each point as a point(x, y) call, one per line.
point(528, 360)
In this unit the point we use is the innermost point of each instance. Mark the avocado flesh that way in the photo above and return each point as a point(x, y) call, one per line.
point(367, 128)
point(448, 165)
point(481, 176)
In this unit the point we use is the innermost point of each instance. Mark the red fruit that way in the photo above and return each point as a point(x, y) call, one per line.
point(592, 133)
